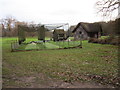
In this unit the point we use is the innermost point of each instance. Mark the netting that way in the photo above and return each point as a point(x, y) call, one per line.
point(59, 40)
point(21, 34)
point(57, 26)
point(48, 45)
point(30, 28)
point(41, 33)
point(40, 29)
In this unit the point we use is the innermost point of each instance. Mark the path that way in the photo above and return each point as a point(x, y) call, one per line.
point(41, 81)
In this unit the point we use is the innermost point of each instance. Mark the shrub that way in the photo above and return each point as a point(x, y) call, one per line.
point(92, 40)
point(114, 40)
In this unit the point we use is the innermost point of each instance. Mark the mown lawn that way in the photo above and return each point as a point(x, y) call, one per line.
point(92, 62)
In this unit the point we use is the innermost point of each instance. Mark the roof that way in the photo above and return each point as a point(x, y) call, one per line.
point(59, 31)
point(89, 27)
point(72, 28)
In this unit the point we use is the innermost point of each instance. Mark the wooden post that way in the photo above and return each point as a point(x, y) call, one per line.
point(63, 42)
point(68, 42)
point(58, 40)
point(80, 33)
point(15, 44)
point(81, 40)
point(11, 47)
point(44, 44)
point(59, 44)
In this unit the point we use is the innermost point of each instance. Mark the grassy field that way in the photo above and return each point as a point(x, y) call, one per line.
point(92, 62)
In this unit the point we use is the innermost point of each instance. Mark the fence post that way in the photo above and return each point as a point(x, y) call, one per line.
point(63, 44)
point(81, 42)
point(11, 47)
point(81, 39)
point(59, 41)
point(44, 44)
point(68, 43)
point(15, 44)
point(59, 44)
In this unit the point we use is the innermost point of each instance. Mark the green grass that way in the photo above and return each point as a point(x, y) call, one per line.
point(51, 46)
point(47, 45)
point(66, 65)
point(104, 37)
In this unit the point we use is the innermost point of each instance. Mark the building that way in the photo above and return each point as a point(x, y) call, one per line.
point(87, 30)
point(58, 34)
point(69, 32)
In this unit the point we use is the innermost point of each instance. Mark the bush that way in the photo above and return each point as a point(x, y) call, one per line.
point(114, 40)
point(93, 40)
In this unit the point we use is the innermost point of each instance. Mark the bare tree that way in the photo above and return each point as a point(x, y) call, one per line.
point(106, 7)
point(9, 25)
point(8, 22)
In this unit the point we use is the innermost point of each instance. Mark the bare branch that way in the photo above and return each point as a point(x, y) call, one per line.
point(107, 6)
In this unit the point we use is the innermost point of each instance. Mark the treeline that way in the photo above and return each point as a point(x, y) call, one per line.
point(111, 27)
point(9, 28)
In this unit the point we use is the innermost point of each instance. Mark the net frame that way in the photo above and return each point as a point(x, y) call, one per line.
point(31, 28)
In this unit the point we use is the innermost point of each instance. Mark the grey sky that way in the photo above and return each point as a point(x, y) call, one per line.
point(50, 11)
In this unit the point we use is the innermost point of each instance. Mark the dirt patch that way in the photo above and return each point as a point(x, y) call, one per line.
point(42, 81)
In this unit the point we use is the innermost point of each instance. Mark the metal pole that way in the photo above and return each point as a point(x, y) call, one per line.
point(68, 35)
point(68, 31)
point(11, 47)
point(58, 40)
point(68, 42)
point(15, 45)
point(81, 42)
point(59, 44)
point(63, 42)
point(44, 44)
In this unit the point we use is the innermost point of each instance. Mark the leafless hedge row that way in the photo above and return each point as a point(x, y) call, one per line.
point(110, 40)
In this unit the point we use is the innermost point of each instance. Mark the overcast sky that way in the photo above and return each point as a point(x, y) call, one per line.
point(50, 11)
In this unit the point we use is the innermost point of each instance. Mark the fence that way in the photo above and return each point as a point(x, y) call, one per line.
point(14, 45)
point(48, 44)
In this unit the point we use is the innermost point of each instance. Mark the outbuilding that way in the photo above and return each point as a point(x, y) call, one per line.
point(87, 30)
point(58, 34)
